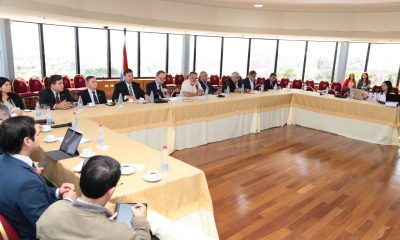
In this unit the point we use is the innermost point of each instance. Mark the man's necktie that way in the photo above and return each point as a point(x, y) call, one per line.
point(58, 98)
point(130, 90)
point(96, 101)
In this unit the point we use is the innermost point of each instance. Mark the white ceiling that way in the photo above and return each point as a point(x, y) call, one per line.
point(305, 5)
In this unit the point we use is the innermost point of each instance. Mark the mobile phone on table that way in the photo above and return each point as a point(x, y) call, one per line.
point(125, 213)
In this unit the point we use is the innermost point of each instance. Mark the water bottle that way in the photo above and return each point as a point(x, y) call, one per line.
point(275, 87)
point(305, 87)
point(326, 91)
point(120, 101)
point(49, 119)
point(74, 122)
point(151, 98)
point(100, 136)
point(262, 88)
point(164, 161)
point(206, 93)
point(80, 105)
point(351, 95)
point(242, 89)
point(228, 91)
point(38, 111)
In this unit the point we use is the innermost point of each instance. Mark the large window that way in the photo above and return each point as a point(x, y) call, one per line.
point(191, 53)
point(320, 57)
point(152, 53)
point(384, 63)
point(291, 59)
point(356, 59)
point(262, 56)
point(93, 52)
point(117, 43)
point(25, 42)
point(236, 51)
point(175, 58)
point(208, 54)
point(59, 48)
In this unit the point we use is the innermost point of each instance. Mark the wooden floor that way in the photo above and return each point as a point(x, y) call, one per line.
point(298, 183)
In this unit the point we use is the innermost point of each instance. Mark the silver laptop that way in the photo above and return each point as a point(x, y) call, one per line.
point(68, 148)
point(358, 94)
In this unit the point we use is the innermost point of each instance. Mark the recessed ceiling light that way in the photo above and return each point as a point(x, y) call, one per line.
point(258, 5)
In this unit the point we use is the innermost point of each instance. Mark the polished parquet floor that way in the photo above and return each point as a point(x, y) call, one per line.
point(297, 183)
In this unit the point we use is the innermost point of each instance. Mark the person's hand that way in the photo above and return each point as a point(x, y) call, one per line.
point(113, 216)
point(18, 112)
point(238, 90)
point(200, 92)
point(247, 90)
point(71, 194)
point(39, 170)
point(65, 187)
point(218, 92)
point(63, 105)
point(139, 210)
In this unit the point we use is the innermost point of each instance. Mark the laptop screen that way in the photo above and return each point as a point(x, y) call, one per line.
point(71, 142)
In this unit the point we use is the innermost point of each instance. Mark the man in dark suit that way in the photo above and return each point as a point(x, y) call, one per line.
point(250, 82)
point(205, 84)
point(56, 96)
point(271, 82)
point(92, 94)
point(128, 88)
point(24, 194)
point(158, 87)
point(234, 83)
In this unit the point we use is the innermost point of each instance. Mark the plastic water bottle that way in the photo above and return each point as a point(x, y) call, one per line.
point(305, 87)
point(262, 88)
point(242, 89)
point(275, 87)
point(38, 111)
point(164, 161)
point(351, 95)
point(326, 91)
point(100, 136)
point(74, 122)
point(120, 101)
point(80, 105)
point(151, 97)
point(49, 118)
point(206, 93)
point(228, 91)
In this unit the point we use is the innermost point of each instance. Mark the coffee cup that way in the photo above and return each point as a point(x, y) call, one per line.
point(46, 128)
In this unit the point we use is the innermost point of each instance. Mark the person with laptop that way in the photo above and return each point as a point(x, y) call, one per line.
point(92, 94)
point(24, 194)
point(56, 96)
point(86, 217)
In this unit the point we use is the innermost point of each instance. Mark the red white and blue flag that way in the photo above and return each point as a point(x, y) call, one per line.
point(124, 58)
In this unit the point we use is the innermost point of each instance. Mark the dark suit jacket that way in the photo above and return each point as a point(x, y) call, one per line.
point(46, 96)
point(268, 84)
point(123, 89)
point(231, 84)
point(247, 85)
point(24, 195)
point(17, 100)
point(152, 86)
point(85, 95)
point(211, 89)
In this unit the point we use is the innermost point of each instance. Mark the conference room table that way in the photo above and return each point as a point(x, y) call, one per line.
point(136, 132)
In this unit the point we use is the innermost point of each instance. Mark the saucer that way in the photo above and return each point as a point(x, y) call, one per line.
point(47, 130)
point(127, 169)
point(152, 177)
point(47, 140)
point(87, 154)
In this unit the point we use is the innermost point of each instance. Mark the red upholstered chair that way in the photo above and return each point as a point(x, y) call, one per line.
point(223, 79)
point(323, 85)
point(297, 84)
point(179, 80)
point(336, 88)
point(79, 82)
point(35, 85)
point(67, 83)
point(284, 82)
point(310, 85)
point(46, 82)
point(377, 88)
point(260, 80)
point(214, 80)
point(7, 231)
point(169, 81)
point(21, 87)
point(396, 90)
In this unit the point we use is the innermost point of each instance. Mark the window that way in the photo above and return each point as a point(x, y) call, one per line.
point(59, 48)
point(383, 63)
point(262, 56)
point(175, 58)
point(319, 64)
point(191, 53)
point(356, 59)
point(208, 54)
point(93, 52)
point(236, 51)
point(117, 44)
point(25, 42)
point(291, 59)
point(152, 53)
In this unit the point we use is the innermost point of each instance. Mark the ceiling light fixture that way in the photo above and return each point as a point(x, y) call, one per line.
point(258, 5)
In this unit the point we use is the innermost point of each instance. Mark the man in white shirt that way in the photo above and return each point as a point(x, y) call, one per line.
point(191, 86)
point(24, 194)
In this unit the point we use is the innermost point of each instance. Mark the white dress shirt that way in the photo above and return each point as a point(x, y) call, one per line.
point(188, 87)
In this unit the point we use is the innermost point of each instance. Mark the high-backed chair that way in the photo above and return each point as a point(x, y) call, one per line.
point(35, 85)
point(297, 84)
point(310, 85)
point(284, 82)
point(214, 80)
point(46, 81)
point(336, 88)
point(260, 80)
point(169, 81)
point(179, 80)
point(67, 84)
point(223, 79)
point(21, 88)
point(377, 88)
point(80, 82)
point(7, 231)
point(396, 90)
point(323, 85)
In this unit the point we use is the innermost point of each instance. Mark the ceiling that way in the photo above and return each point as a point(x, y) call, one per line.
point(304, 5)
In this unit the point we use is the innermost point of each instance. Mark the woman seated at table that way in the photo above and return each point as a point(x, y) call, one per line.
point(364, 83)
point(349, 83)
point(12, 100)
point(386, 90)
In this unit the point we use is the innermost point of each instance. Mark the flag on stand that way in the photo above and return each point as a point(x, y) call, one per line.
point(124, 58)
